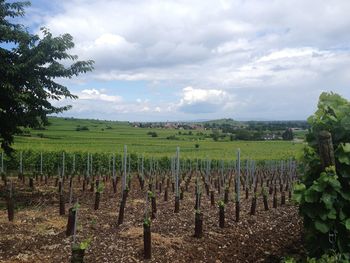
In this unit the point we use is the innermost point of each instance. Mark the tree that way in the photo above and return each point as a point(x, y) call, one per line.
point(215, 134)
point(288, 135)
point(28, 69)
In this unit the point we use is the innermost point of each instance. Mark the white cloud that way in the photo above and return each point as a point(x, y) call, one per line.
point(195, 100)
point(192, 96)
point(94, 94)
point(236, 51)
point(290, 53)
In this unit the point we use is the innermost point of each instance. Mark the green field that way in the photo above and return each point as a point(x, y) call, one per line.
point(108, 137)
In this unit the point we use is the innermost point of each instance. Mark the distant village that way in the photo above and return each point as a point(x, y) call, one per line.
point(250, 130)
point(169, 125)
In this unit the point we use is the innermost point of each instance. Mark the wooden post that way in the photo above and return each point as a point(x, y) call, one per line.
point(198, 224)
point(147, 241)
point(114, 174)
point(63, 164)
point(73, 168)
point(177, 174)
point(71, 222)
point(10, 204)
point(221, 216)
point(238, 175)
point(325, 145)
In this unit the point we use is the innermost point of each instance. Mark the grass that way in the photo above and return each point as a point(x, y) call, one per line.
point(108, 137)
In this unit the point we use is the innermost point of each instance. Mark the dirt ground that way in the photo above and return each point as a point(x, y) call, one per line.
point(38, 232)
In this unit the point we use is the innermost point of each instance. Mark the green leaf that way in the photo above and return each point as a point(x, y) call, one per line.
point(334, 183)
point(321, 226)
point(318, 187)
point(347, 224)
point(346, 147)
point(297, 198)
point(343, 153)
point(311, 195)
point(332, 214)
point(323, 214)
point(299, 187)
point(345, 195)
point(312, 210)
point(342, 215)
point(344, 158)
point(327, 199)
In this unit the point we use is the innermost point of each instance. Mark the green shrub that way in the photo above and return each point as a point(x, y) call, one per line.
point(172, 137)
point(152, 134)
point(81, 128)
point(324, 194)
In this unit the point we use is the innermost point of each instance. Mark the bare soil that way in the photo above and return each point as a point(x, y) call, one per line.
point(38, 232)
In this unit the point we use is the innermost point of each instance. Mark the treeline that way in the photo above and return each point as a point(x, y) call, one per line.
point(262, 126)
point(233, 130)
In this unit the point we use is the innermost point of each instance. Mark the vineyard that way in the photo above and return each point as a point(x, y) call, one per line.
point(249, 179)
point(130, 207)
point(127, 206)
point(109, 137)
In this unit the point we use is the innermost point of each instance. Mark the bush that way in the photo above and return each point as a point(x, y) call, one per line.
point(152, 134)
point(288, 135)
point(172, 137)
point(81, 128)
point(324, 194)
point(215, 135)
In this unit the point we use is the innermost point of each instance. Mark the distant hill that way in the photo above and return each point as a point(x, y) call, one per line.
point(228, 121)
point(224, 124)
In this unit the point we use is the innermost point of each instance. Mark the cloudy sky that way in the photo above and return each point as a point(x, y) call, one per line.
point(191, 60)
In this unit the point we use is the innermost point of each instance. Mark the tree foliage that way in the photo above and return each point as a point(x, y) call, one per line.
point(324, 194)
point(288, 135)
point(29, 65)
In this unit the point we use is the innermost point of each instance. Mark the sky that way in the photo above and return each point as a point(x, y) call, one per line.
point(185, 60)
